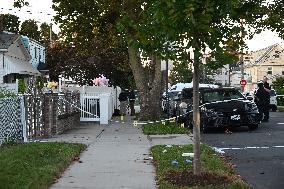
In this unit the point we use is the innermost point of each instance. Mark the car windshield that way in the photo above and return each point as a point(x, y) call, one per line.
point(213, 96)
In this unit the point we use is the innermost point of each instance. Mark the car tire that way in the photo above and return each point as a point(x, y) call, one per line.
point(253, 127)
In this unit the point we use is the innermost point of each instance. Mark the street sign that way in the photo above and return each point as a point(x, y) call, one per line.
point(243, 82)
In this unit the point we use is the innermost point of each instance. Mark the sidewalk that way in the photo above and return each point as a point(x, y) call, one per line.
point(117, 156)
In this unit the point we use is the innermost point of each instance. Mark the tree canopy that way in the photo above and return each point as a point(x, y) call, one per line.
point(63, 58)
point(30, 29)
point(11, 22)
point(45, 29)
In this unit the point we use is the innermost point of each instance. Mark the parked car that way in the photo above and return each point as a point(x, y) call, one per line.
point(248, 96)
point(220, 107)
point(174, 96)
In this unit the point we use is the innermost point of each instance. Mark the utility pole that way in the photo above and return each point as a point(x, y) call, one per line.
point(242, 54)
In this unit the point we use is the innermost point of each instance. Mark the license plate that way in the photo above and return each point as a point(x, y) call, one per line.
point(235, 117)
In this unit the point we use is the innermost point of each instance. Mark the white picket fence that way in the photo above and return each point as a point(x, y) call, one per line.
point(97, 103)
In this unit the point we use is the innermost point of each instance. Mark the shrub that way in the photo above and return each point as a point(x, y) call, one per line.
point(5, 93)
point(21, 86)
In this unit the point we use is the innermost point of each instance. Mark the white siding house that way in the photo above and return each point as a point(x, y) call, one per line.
point(15, 58)
point(36, 50)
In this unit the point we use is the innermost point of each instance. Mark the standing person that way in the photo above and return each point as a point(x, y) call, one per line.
point(123, 97)
point(261, 100)
point(267, 88)
point(132, 101)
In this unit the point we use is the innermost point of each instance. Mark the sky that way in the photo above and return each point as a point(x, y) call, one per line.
point(41, 11)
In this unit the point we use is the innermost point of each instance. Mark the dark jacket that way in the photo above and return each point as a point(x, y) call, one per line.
point(262, 97)
point(123, 96)
point(266, 85)
point(131, 96)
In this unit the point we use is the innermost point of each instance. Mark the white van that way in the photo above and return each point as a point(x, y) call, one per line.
point(180, 86)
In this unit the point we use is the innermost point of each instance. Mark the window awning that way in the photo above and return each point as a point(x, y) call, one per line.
point(18, 66)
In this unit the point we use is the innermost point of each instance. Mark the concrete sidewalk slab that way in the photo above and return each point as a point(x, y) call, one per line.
point(117, 156)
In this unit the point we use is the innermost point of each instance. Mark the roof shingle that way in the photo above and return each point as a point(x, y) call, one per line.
point(6, 39)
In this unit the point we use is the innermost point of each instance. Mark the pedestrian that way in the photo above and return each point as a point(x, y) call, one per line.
point(267, 88)
point(123, 98)
point(261, 101)
point(132, 98)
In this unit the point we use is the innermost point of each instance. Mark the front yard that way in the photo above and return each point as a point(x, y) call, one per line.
point(35, 165)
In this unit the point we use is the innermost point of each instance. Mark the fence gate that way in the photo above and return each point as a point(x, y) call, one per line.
point(90, 107)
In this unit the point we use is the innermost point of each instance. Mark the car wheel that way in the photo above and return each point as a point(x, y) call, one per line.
point(253, 127)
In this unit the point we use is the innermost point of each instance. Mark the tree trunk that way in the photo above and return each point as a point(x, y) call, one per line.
point(150, 91)
point(196, 114)
point(149, 84)
point(1, 23)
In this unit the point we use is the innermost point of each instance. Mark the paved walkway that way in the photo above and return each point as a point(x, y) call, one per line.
point(117, 157)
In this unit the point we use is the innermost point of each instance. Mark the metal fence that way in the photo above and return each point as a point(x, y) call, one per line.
point(30, 117)
point(10, 120)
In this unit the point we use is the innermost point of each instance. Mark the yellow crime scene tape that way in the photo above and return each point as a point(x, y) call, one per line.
point(135, 122)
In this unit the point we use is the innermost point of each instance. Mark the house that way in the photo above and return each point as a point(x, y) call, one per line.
point(37, 52)
point(14, 58)
point(222, 76)
point(264, 62)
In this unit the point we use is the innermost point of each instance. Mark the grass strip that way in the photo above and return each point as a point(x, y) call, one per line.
point(280, 108)
point(35, 165)
point(163, 128)
point(211, 163)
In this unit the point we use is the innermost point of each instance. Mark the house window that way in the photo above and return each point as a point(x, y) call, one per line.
point(277, 54)
point(35, 52)
point(282, 72)
point(269, 70)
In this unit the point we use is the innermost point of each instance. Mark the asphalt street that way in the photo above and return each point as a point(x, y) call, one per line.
point(258, 155)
